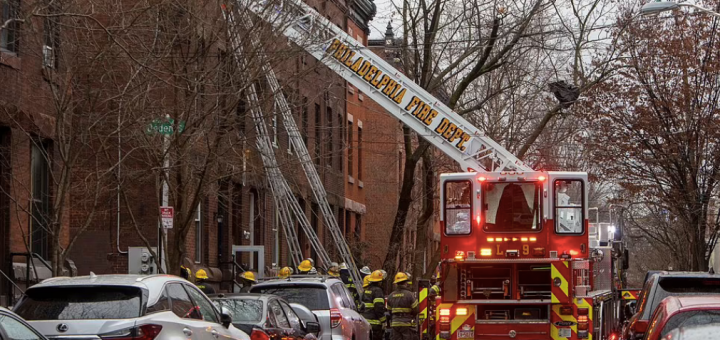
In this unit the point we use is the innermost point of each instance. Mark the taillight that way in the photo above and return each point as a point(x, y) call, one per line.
point(144, 332)
point(258, 334)
point(335, 317)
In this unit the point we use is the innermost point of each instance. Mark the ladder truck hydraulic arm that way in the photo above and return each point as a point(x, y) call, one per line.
point(519, 258)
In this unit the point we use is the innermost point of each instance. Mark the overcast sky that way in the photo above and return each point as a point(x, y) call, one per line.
point(385, 12)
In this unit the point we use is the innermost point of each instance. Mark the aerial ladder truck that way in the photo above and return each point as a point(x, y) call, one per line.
point(519, 258)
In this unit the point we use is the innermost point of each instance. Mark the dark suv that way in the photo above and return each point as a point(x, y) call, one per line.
point(662, 285)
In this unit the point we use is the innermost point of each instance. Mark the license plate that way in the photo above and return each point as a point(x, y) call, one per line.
point(466, 334)
point(564, 332)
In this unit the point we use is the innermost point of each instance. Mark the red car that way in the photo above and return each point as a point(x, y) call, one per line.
point(683, 311)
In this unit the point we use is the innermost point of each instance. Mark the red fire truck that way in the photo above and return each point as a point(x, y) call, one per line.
point(521, 261)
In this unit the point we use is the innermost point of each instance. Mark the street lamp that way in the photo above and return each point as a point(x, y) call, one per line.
point(653, 8)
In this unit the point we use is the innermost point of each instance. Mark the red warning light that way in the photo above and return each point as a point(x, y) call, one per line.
point(481, 179)
point(541, 178)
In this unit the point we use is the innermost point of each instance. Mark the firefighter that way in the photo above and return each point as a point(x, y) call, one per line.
point(248, 280)
point(374, 303)
point(185, 272)
point(403, 309)
point(304, 267)
point(365, 271)
point(285, 272)
point(200, 282)
point(348, 281)
point(334, 270)
point(435, 289)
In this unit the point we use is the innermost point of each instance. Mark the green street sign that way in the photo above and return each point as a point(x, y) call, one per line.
point(165, 127)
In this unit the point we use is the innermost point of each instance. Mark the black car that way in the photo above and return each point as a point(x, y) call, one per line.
point(265, 316)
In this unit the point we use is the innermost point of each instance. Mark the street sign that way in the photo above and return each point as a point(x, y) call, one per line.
point(166, 215)
point(165, 127)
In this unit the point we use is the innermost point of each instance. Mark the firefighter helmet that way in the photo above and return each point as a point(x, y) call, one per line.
point(305, 266)
point(313, 271)
point(334, 270)
point(201, 274)
point(365, 270)
point(400, 277)
point(366, 281)
point(285, 272)
point(376, 276)
point(248, 275)
point(384, 274)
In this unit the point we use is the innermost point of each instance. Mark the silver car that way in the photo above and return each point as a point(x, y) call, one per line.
point(13, 327)
point(328, 298)
point(124, 307)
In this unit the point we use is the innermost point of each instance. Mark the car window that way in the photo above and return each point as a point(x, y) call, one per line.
point(654, 323)
point(280, 317)
point(182, 306)
point(243, 310)
point(162, 304)
point(16, 330)
point(341, 295)
point(680, 286)
point(81, 303)
point(291, 316)
point(206, 308)
point(643, 298)
point(314, 297)
point(691, 318)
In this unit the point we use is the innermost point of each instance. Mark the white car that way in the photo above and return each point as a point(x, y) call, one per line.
point(124, 307)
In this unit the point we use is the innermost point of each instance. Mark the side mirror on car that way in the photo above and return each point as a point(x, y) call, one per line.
point(225, 317)
point(312, 327)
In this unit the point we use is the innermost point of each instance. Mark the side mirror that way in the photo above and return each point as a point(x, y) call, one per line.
point(312, 327)
point(225, 317)
point(630, 309)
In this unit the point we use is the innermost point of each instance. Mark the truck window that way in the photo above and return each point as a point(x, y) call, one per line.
point(458, 207)
point(512, 206)
point(569, 206)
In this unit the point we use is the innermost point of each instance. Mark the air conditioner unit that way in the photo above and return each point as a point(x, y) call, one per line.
point(48, 57)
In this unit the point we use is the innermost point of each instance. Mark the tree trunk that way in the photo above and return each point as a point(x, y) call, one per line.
point(424, 231)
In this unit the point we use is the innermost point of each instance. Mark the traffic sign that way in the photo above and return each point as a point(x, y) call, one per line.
point(165, 127)
point(166, 215)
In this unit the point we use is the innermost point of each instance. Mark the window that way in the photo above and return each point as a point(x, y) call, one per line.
point(458, 207)
point(568, 206)
point(348, 220)
point(691, 318)
point(243, 310)
point(51, 36)
point(198, 234)
point(311, 296)
point(277, 311)
point(16, 330)
point(318, 133)
point(330, 136)
point(350, 148)
point(341, 295)
point(292, 317)
point(81, 303)
point(206, 308)
point(359, 152)
point(512, 206)
point(182, 306)
point(162, 304)
point(304, 120)
point(9, 36)
point(40, 172)
point(358, 227)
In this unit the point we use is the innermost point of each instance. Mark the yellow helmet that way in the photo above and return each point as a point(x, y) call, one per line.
point(376, 276)
point(334, 271)
point(400, 277)
point(285, 272)
point(201, 274)
point(366, 281)
point(248, 275)
point(305, 266)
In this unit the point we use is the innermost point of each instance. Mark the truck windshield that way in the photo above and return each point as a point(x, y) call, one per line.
point(512, 206)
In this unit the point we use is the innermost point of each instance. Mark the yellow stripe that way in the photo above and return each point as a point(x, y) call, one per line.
point(423, 294)
point(563, 282)
point(566, 263)
point(458, 321)
point(582, 303)
point(554, 330)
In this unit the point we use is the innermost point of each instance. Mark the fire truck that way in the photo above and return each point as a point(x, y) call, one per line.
point(520, 259)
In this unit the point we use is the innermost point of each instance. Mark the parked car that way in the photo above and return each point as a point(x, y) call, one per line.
point(674, 312)
point(269, 314)
point(103, 307)
point(14, 327)
point(328, 298)
point(704, 332)
point(660, 286)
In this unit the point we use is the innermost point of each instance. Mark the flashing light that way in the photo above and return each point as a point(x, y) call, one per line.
point(615, 337)
point(490, 239)
point(485, 252)
point(612, 229)
point(444, 312)
point(533, 239)
point(482, 179)
point(477, 219)
point(524, 239)
point(498, 239)
point(574, 252)
point(515, 239)
point(582, 318)
point(541, 178)
point(459, 255)
point(506, 239)
point(461, 311)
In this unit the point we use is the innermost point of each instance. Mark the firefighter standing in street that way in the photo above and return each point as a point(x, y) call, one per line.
point(200, 282)
point(403, 309)
point(185, 272)
point(348, 281)
point(374, 301)
point(248, 280)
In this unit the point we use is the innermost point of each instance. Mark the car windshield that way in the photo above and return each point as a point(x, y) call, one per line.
point(311, 296)
point(691, 318)
point(81, 303)
point(680, 286)
point(243, 310)
point(512, 206)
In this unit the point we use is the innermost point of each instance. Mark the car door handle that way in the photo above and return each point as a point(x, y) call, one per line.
point(187, 331)
point(214, 333)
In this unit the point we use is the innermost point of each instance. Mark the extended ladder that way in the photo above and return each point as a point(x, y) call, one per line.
point(285, 201)
point(387, 86)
